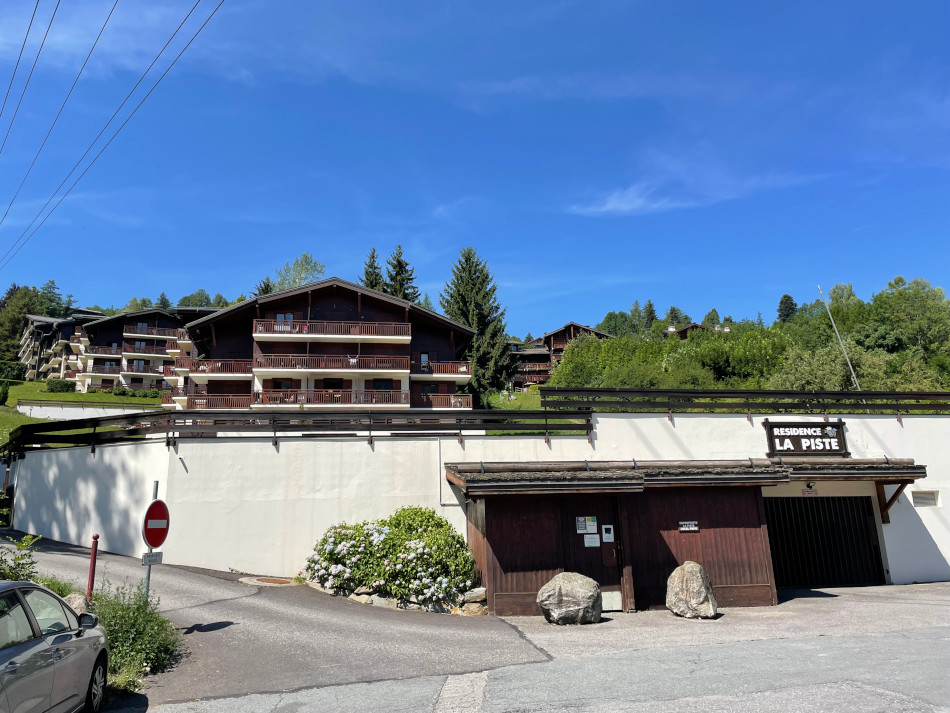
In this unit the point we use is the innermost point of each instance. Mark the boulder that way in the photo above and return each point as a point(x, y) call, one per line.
point(474, 609)
point(571, 598)
point(77, 602)
point(361, 598)
point(689, 592)
point(474, 595)
point(362, 591)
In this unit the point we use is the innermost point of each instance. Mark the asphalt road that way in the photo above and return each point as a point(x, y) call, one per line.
point(296, 650)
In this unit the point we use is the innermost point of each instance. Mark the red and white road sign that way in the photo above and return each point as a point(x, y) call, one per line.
point(155, 524)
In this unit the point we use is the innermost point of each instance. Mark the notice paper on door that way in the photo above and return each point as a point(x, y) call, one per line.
point(585, 524)
point(591, 540)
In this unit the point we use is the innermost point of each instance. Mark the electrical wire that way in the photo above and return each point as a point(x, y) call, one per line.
point(59, 113)
point(112, 138)
point(101, 131)
point(30, 75)
point(19, 57)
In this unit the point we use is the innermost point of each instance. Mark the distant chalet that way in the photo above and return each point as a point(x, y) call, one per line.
point(534, 360)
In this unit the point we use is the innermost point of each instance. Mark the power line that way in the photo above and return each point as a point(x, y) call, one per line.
point(30, 75)
point(19, 57)
point(112, 138)
point(59, 113)
point(101, 132)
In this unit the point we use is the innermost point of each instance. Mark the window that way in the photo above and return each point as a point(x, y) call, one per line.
point(284, 321)
point(141, 328)
point(924, 498)
point(282, 384)
point(47, 611)
point(430, 389)
point(382, 384)
point(138, 365)
point(333, 384)
point(139, 345)
point(424, 362)
point(14, 625)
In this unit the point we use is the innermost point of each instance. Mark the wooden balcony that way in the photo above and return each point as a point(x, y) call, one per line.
point(274, 330)
point(443, 368)
point(532, 367)
point(143, 369)
point(221, 366)
point(331, 398)
point(333, 363)
point(183, 362)
point(149, 331)
point(97, 369)
point(202, 401)
point(133, 349)
point(442, 401)
point(534, 378)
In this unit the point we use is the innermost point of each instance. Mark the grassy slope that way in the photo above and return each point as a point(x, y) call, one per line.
point(37, 390)
point(10, 418)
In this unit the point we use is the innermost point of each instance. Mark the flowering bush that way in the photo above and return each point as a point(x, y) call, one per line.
point(412, 553)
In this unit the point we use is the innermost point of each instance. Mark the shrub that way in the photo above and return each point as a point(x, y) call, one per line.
point(13, 370)
point(18, 563)
point(120, 391)
point(4, 393)
point(62, 588)
point(60, 386)
point(413, 553)
point(141, 640)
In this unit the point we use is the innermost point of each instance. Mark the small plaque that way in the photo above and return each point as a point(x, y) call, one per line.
point(608, 533)
point(689, 526)
point(809, 491)
point(150, 558)
point(591, 540)
point(586, 525)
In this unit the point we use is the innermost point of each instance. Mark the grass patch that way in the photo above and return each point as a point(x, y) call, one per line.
point(10, 418)
point(37, 390)
point(61, 587)
point(527, 401)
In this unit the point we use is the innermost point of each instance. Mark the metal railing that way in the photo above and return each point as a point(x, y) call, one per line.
point(333, 329)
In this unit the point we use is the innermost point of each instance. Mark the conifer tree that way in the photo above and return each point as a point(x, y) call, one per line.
point(427, 303)
point(786, 308)
point(372, 273)
point(470, 298)
point(711, 319)
point(163, 302)
point(400, 278)
point(649, 314)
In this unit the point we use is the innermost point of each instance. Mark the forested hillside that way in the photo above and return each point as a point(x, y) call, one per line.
point(900, 339)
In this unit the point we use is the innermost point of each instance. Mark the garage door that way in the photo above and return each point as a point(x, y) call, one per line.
point(823, 542)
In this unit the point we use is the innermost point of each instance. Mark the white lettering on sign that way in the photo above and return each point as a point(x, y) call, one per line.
point(689, 526)
point(813, 444)
point(156, 523)
point(150, 558)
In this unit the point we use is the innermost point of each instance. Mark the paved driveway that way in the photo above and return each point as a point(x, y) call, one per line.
point(295, 650)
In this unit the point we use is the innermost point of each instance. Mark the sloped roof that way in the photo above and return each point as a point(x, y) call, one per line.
point(322, 284)
point(582, 326)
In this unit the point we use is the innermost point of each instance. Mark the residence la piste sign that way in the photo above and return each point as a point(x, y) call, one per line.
point(824, 438)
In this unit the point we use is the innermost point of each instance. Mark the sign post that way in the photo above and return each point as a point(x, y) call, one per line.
point(154, 532)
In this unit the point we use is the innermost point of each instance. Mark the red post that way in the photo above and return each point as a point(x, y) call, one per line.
point(92, 566)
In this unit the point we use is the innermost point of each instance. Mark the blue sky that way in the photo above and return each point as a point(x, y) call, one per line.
point(697, 154)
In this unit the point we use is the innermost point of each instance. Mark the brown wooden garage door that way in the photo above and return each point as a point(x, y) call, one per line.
point(823, 542)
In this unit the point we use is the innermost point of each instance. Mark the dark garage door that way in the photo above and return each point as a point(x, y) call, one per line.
point(823, 542)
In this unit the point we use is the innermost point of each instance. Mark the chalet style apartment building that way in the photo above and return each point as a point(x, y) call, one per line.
point(331, 344)
point(533, 361)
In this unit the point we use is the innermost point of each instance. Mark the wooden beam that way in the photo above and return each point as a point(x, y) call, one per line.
point(892, 500)
point(882, 502)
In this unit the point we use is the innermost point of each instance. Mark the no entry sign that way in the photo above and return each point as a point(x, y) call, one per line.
point(155, 524)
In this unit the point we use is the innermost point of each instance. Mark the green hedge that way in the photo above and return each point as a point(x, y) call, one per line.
point(60, 386)
point(12, 370)
point(412, 553)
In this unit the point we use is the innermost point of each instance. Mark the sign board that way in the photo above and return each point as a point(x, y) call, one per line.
point(585, 525)
point(155, 524)
point(689, 526)
point(608, 533)
point(150, 558)
point(806, 439)
point(809, 491)
point(591, 540)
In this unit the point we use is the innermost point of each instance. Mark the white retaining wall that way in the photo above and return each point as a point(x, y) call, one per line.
point(68, 412)
point(248, 505)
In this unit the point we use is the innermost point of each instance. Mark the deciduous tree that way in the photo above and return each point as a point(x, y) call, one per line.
point(302, 271)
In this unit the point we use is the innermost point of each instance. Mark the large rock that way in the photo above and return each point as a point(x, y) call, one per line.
point(77, 602)
point(571, 598)
point(689, 592)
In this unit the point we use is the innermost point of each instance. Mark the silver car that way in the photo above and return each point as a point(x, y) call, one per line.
point(50, 658)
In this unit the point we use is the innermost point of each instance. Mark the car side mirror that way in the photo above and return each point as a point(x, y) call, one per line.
point(88, 621)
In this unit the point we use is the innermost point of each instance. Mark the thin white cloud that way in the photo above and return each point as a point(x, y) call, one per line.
point(672, 183)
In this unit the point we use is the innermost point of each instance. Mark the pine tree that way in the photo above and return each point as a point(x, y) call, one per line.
point(219, 301)
point(677, 317)
point(163, 302)
point(711, 319)
point(372, 273)
point(636, 317)
point(400, 278)
point(786, 308)
point(470, 298)
point(427, 303)
point(649, 314)
point(264, 287)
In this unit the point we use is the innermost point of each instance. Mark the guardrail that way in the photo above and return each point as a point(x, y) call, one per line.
point(242, 423)
point(744, 400)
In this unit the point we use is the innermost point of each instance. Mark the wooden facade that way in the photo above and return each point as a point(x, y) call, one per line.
point(533, 361)
point(521, 542)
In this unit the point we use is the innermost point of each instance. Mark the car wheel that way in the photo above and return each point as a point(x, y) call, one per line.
point(97, 687)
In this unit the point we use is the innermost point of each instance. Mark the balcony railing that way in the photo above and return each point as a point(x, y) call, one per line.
point(183, 362)
point(333, 329)
point(199, 401)
point(534, 367)
point(442, 401)
point(221, 366)
point(149, 331)
point(336, 363)
point(75, 339)
point(332, 398)
point(97, 369)
point(181, 334)
point(143, 369)
point(133, 349)
point(447, 368)
point(535, 378)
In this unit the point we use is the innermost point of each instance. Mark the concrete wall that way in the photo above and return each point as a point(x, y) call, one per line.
point(254, 507)
point(67, 412)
